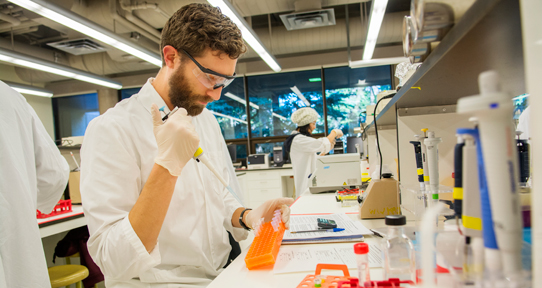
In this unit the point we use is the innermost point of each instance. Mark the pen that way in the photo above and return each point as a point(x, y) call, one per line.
point(170, 113)
point(376, 233)
point(75, 160)
point(320, 230)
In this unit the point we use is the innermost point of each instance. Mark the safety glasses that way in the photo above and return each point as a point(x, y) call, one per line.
point(209, 78)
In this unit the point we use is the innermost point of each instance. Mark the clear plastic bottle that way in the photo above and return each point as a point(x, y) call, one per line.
point(362, 258)
point(399, 254)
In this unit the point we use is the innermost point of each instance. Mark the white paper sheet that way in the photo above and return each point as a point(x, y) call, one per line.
point(308, 222)
point(304, 259)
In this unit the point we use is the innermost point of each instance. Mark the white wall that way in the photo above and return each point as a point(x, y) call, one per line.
point(445, 126)
point(388, 147)
point(44, 108)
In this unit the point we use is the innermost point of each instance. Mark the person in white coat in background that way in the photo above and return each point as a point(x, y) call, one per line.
point(156, 217)
point(301, 147)
point(33, 175)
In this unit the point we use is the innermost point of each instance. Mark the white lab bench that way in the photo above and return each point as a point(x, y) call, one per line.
point(238, 275)
point(63, 222)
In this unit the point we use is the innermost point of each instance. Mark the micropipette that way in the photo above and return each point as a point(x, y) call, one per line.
point(419, 163)
point(431, 143)
point(493, 108)
point(458, 177)
point(201, 157)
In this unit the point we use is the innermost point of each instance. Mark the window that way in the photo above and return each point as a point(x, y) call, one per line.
point(127, 93)
point(273, 99)
point(230, 111)
point(349, 91)
point(73, 113)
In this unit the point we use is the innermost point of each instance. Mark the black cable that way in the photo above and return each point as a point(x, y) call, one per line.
point(376, 131)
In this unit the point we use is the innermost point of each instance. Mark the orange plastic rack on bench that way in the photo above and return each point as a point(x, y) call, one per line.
point(265, 247)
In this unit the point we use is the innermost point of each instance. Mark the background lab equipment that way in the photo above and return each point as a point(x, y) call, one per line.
point(335, 172)
point(354, 145)
point(258, 161)
point(278, 161)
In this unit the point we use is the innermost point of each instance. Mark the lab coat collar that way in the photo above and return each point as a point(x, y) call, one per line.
point(148, 95)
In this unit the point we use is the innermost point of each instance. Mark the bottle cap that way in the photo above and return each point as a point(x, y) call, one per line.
point(395, 220)
point(386, 175)
point(361, 248)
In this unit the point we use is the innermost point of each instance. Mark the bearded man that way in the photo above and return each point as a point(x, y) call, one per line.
point(158, 218)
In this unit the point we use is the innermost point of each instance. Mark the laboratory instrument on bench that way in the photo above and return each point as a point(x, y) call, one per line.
point(326, 223)
point(258, 161)
point(419, 163)
point(431, 143)
point(493, 110)
point(399, 254)
point(278, 161)
point(381, 198)
point(362, 259)
point(347, 197)
point(336, 172)
point(424, 158)
point(524, 161)
point(470, 212)
point(265, 246)
point(458, 177)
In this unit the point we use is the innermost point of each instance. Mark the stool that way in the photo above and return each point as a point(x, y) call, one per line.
point(64, 275)
point(68, 261)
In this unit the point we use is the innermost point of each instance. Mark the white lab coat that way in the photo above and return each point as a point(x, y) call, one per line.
point(33, 175)
point(303, 156)
point(117, 157)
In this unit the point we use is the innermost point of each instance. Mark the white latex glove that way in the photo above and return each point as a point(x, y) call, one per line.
point(338, 132)
point(177, 140)
point(267, 209)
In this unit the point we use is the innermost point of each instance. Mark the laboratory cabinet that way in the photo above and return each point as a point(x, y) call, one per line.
point(260, 185)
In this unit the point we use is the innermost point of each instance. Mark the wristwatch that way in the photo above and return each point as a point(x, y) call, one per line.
point(241, 219)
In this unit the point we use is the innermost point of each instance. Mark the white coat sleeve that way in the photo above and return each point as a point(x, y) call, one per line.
point(52, 170)
point(307, 144)
point(110, 187)
point(231, 203)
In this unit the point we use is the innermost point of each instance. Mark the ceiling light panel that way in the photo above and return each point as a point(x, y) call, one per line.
point(89, 28)
point(375, 22)
point(55, 68)
point(248, 34)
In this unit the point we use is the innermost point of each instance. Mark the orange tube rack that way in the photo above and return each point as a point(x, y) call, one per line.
point(265, 247)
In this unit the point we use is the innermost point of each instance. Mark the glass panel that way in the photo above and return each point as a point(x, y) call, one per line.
point(75, 112)
point(349, 91)
point(127, 93)
point(241, 151)
point(230, 111)
point(274, 97)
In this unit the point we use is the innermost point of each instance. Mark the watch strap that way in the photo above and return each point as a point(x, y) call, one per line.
point(241, 222)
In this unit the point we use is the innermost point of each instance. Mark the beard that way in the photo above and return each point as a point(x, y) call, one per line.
point(183, 96)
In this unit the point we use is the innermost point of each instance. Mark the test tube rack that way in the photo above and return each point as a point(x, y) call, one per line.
point(266, 244)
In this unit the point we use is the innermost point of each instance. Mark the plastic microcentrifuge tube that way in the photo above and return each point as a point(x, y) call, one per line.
point(362, 259)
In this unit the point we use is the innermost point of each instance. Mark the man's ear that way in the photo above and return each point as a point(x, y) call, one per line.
point(170, 54)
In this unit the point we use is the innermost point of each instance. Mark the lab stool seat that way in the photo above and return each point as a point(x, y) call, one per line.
point(64, 275)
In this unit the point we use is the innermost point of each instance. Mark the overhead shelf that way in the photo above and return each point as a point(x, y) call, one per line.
point(487, 37)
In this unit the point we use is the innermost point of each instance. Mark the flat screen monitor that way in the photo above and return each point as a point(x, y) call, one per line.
point(351, 145)
point(232, 148)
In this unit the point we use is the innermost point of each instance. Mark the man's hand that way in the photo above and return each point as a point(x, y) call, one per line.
point(267, 209)
point(177, 140)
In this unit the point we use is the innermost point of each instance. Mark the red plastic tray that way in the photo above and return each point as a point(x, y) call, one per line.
point(63, 206)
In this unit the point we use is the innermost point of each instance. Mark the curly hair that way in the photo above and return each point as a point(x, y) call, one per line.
point(196, 27)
